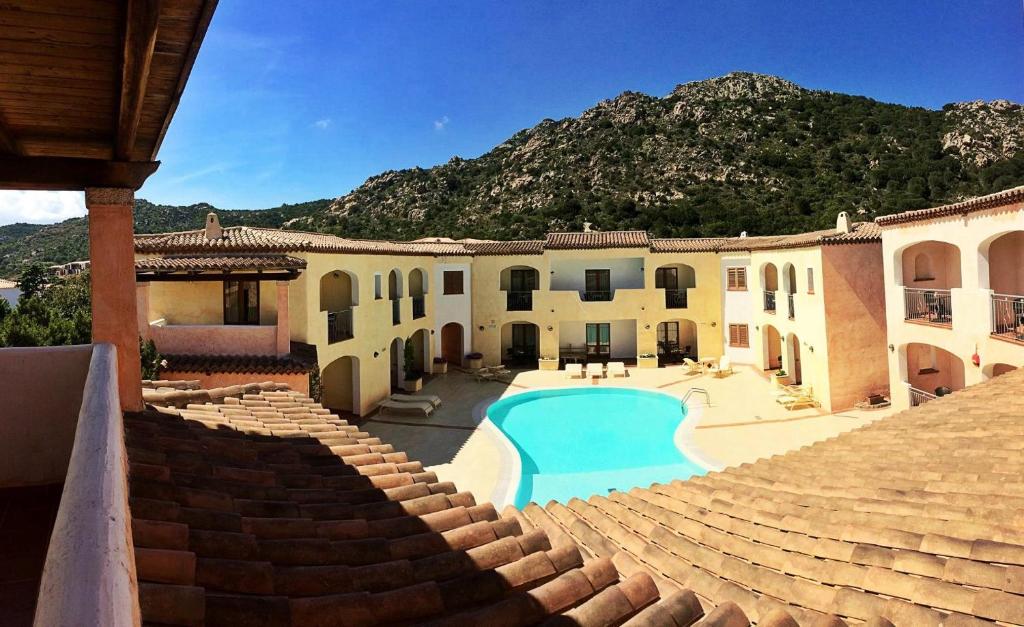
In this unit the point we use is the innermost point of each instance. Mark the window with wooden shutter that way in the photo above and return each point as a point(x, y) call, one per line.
point(737, 279)
point(453, 281)
point(739, 336)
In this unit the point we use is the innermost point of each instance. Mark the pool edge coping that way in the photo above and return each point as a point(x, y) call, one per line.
point(510, 471)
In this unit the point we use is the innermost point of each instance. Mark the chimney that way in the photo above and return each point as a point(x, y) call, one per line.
point(586, 226)
point(843, 223)
point(213, 230)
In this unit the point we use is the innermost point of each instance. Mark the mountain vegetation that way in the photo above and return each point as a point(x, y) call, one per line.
point(742, 152)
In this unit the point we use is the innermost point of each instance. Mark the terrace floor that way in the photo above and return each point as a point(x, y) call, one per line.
point(743, 422)
point(26, 520)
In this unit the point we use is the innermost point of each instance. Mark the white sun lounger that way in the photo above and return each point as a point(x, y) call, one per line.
point(417, 398)
point(692, 367)
point(723, 368)
point(416, 409)
point(574, 371)
point(616, 369)
point(595, 370)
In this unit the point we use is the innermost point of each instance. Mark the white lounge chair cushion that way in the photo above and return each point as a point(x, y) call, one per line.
point(595, 370)
point(417, 398)
point(574, 371)
point(617, 368)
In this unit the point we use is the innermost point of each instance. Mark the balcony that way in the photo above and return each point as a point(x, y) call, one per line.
point(791, 309)
point(595, 296)
point(919, 397)
point(339, 326)
point(928, 306)
point(396, 311)
point(519, 301)
point(1008, 317)
point(675, 299)
point(769, 301)
point(419, 307)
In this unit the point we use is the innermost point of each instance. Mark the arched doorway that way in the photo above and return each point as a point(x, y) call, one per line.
point(395, 295)
point(677, 339)
point(420, 342)
point(931, 371)
point(1002, 260)
point(339, 384)
point(793, 352)
point(452, 349)
point(770, 285)
point(339, 293)
point(397, 362)
point(520, 343)
point(771, 347)
point(418, 291)
point(994, 370)
point(928, 271)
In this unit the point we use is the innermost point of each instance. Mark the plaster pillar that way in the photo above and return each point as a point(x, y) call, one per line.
point(115, 317)
point(283, 327)
point(142, 302)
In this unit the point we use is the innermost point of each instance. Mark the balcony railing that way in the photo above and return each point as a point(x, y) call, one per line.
point(591, 296)
point(519, 301)
point(927, 305)
point(339, 326)
point(769, 301)
point(920, 397)
point(396, 311)
point(1008, 316)
point(789, 303)
point(675, 299)
point(419, 307)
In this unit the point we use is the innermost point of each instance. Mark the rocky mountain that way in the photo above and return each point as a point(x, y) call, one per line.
point(714, 157)
point(742, 152)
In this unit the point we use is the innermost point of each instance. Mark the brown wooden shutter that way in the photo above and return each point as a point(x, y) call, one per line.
point(453, 281)
point(739, 335)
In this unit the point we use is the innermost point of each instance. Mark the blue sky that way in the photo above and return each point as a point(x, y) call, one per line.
point(292, 101)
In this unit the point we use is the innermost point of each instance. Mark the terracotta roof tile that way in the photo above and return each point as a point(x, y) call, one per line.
point(920, 526)
point(509, 247)
point(219, 262)
point(6, 285)
point(597, 239)
point(1004, 198)
point(247, 364)
point(686, 245)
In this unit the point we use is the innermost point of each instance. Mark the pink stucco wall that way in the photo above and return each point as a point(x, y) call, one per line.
point(854, 291)
point(215, 339)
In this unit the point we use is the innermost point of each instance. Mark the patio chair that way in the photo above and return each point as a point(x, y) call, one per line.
point(802, 397)
point(417, 398)
point(616, 368)
point(723, 368)
point(595, 369)
point(574, 371)
point(413, 409)
point(692, 367)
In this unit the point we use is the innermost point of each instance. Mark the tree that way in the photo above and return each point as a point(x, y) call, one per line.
point(33, 280)
point(152, 361)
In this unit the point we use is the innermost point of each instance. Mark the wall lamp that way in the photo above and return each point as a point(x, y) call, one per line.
point(551, 328)
point(892, 349)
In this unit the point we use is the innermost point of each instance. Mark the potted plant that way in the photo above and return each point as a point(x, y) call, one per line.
point(547, 362)
point(647, 360)
point(475, 361)
point(780, 379)
point(413, 378)
point(440, 366)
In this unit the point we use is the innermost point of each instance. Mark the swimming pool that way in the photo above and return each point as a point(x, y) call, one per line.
point(583, 441)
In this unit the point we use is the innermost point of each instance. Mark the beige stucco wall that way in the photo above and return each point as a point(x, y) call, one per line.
point(971, 302)
point(808, 325)
point(202, 302)
point(39, 413)
point(854, 293)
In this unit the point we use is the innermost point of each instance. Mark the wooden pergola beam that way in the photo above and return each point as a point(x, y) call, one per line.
point(68, 173)
point(141, 21)
point(8, 145)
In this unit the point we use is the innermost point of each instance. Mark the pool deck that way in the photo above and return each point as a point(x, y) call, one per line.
point(743, 423)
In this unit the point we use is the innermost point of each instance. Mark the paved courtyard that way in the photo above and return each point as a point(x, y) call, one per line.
point(741, 424)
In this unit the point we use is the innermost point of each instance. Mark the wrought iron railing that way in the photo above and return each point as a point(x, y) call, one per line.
point(596, 295)
point(927, 305)
point(1008, 316)
point(419, 307)
point(920, 397)
point(769, 301)
point(339, 326)
point(396, 311)
point(675, 299)
point(789, 303)
point(519, 301)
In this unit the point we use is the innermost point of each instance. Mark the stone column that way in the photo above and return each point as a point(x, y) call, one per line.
point(142, 302)
point(283, 327)
point(114, 309)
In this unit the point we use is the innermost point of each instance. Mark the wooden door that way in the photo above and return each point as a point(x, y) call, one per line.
point(451, 343)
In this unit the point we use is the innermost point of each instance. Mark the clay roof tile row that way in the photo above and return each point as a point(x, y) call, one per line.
point(177, 263)
point(999, 199)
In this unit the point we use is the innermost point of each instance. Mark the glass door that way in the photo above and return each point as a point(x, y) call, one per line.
point(599, 340)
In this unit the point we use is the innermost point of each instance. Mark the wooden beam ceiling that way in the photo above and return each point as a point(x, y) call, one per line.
point(69, 173)
point(141, 20)
point(8, 145)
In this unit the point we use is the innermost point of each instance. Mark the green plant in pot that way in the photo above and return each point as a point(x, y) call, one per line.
point(413, 378)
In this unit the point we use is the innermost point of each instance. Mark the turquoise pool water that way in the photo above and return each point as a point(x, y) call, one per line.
point(583, 441)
